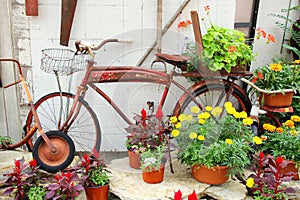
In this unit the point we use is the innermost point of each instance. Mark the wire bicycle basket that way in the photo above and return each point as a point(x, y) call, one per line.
point(62, 61)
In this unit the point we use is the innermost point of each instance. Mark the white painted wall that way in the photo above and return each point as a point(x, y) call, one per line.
point(133, 20)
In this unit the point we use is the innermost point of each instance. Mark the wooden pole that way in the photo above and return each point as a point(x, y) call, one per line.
point(166, 27)
point(197, 31)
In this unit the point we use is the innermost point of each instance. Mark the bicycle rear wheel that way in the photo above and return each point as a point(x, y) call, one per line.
point(84, 130)
point(215, 94)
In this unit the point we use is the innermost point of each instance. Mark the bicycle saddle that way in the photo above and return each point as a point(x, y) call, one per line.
point(176, 60)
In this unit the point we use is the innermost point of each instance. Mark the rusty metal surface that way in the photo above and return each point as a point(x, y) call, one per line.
point(67, 15)
point(31, 7)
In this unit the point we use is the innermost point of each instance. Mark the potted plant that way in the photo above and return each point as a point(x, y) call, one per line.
point(207, 144)
point(266, 180)
point(95, 179)
point(223, 48)
point(276, 78)
point(283, 141)
point(25, 180)
point(153, 164)
point(146, 134)
point(5, 141)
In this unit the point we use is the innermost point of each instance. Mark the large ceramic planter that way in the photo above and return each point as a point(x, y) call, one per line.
point(97, 193)
point(154, 176)
point(134, 160)
point(291, 167)
point(278, 99)
point(215, 175)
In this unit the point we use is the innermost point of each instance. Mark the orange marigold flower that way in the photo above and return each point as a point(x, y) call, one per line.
point(263, 138)
point(295, 118)
point(279, 130)
point(277, 67)
point(289, 123)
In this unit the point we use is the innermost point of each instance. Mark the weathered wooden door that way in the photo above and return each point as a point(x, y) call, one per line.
point(9, 107)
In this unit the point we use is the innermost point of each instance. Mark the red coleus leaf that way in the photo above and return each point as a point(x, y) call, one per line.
point(178, 195)
point(192, 196)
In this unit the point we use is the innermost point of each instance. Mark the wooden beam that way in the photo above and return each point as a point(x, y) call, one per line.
point(197, 31)
point(67, 14)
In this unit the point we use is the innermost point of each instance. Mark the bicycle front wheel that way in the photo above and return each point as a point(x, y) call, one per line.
point(53, 110)
point(215, 94)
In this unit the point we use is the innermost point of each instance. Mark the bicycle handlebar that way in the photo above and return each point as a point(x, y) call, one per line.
point(262, 90)
point(82, 45)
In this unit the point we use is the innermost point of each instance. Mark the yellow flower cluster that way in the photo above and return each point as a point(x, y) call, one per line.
point(277, 67)
point(238, 115)
point(269, 127)
point(257, 140)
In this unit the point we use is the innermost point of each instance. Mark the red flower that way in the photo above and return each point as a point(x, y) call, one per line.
point(17, 164)
point(206, 8)
point(184, 24)
point(159, 114)
point(260, 75)
point(192, 196)
point(178, 195)
point(33, 163)
point(271, 38)
point(261, 155)
point(254, 80)
point(279, 160)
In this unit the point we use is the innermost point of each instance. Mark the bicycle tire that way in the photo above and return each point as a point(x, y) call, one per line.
point(212, 94)
point(54, 161)
point(85, 130)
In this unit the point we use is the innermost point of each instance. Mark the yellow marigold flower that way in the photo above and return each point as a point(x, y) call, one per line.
point(193, 135)
point(293, 132)
point(295, 118)
point(277, 67)
point(189, 117)
point(297, 61)
point(173, 119)
point(228, 104)
point(250, 182)
point(269, 127)
point(216, 111)
point(243, 115)
point(201, 137)
point(279, 129)
point(201, 121)
point(208, 108)
point(257, 140)
point(289, 123)
point(204, 115)
point(178, 125)
point(248, 121)
point(263, 137)
point(195, 109)
point(236, 115)
point(230, 110)
point(182, 117)
point(175, 133)
point(228, 141)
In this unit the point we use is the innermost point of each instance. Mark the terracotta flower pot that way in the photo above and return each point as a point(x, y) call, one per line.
point(278, 99)
point(134, 160)
point(97, 193)
point(153, 177)
point(215, 175)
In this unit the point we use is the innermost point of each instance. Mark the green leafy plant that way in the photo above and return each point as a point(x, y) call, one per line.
point(93, 170)
point(153, 159)
point(36, 193)
point(277, 76)
point(202, 139)
point(265, 181)
point(283, 141)
point(4, 141)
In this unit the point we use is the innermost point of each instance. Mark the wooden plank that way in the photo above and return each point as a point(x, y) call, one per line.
point(197, 31)
point(67, 15)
